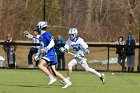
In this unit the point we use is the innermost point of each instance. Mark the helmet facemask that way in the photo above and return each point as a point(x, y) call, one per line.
point(73, 33)
point(72, 36)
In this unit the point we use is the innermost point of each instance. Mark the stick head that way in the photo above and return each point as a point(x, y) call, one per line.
point(27, 34)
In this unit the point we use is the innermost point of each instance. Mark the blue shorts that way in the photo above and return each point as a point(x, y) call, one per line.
point(51, 59)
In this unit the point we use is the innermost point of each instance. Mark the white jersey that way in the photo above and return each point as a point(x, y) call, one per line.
point(35, 39)
point(78, 46)
point(120, 42)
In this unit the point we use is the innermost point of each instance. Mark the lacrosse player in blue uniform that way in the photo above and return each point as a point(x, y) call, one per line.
point(49, 58)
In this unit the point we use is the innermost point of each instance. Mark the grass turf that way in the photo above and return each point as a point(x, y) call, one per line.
point(34, 81)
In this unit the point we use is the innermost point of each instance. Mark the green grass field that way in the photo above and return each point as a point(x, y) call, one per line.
point(34, 81)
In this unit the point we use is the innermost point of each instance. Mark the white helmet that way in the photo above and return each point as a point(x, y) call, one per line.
point(41, 25)
point(73, 32)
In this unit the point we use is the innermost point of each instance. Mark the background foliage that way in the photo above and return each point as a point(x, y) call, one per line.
point(96, 20)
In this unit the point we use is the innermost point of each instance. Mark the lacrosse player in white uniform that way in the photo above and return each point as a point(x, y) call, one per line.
point(33, 49)
point(80, 48)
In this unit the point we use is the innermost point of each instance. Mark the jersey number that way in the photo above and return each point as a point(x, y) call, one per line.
point(76, 47)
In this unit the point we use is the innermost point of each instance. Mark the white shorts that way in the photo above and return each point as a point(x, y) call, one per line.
point(76, 61)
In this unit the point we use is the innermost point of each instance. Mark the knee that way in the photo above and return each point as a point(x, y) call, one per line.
point(40, 66)
point(87, 69)
point(69, 66)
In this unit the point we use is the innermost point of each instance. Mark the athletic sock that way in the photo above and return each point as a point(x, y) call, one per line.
point(68, 78)
point(65, 80)
point(95, 72)
point(51, 76)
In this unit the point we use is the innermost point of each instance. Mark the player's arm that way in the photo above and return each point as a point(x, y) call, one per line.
point(51, 44)
point(43, 49)
point(65, 48)
point(84, 46)
point(37, 55)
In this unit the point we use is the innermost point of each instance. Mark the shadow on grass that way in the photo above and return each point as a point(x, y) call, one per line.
point(42, 86)
point(29, 86)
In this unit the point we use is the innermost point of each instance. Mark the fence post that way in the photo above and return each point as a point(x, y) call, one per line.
point(138, 67)
point(108, 58)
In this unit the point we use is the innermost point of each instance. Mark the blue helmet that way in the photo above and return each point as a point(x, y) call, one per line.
point(41, 25)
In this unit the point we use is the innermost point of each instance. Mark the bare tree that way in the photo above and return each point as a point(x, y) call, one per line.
point(96, 20)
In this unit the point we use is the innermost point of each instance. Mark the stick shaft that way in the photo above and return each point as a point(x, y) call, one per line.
point(70, 53)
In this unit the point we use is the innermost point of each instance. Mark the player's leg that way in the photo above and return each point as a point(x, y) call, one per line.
point(30, 63)
point(42, 66)
point(69, 72)
point(56, 73)
point(70, 65)
point(14, 60)
point(120, 59)
point(60, 76)
point(87, 68)
point(63, 62)
point(58, 62)
point(123, 63)
point(8, 58)
point(36, 62)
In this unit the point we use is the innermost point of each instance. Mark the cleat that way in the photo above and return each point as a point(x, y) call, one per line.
point(31, 66)
point(52, 81)
point(102, 78)
point(62, 82)
point(67, 84)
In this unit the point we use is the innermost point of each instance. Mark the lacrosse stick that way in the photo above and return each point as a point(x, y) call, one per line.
point(70, 53)
point(66, 51)
point(27, 34)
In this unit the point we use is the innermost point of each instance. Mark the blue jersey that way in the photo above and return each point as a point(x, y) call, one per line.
point(50, 56)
